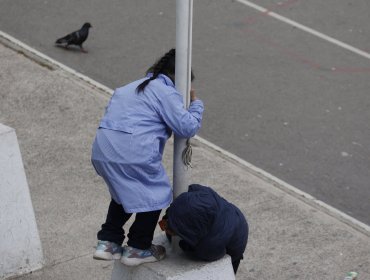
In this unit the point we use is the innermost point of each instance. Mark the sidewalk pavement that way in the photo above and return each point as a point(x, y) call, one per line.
point(55, 115)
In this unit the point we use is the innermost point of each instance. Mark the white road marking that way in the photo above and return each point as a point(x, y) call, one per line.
point(305, 28)
point(253, 169)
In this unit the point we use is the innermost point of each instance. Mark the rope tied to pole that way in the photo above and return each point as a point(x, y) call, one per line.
point(187, 154)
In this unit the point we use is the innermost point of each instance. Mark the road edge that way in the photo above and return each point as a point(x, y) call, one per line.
point(48, 62)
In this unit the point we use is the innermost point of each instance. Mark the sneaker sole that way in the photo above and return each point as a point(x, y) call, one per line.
point(136, 261)
point(106, 256)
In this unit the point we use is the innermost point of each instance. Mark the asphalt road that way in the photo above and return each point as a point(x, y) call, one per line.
point(287, 101)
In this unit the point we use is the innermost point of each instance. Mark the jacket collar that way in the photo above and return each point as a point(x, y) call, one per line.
point(163, 78)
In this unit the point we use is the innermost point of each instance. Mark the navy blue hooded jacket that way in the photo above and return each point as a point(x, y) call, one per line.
point(209, 225)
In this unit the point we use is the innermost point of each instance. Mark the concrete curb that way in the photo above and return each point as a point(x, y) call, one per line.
point(175, 267)
point(303, 196)
point(49, 62)
point(20, 244)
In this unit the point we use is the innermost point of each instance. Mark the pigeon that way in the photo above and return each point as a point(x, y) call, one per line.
point(75, 38)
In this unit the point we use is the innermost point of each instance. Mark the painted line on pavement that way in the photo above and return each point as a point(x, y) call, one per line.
point(305, 28)
point(254, 170)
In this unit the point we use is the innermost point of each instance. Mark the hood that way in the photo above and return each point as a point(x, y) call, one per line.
point(192, 214)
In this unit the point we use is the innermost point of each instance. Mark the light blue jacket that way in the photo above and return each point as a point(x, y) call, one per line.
point(128, 148)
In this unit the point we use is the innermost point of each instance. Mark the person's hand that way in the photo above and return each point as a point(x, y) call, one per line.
point(192, 95)
point(163, 224)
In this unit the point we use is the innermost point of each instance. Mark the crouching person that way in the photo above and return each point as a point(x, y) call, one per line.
point(208, 225)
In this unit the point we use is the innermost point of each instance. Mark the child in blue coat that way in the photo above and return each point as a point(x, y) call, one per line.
point(208, 225)
point(127, 154)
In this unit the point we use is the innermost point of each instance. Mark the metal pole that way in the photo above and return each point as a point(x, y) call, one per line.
point(184, 20)
point(184, 16)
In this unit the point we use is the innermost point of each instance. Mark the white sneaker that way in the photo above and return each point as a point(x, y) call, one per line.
point(106, 250)
point(132, 256)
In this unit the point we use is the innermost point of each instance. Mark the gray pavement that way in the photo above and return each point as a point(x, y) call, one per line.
point(55, 115)
point(271, 93)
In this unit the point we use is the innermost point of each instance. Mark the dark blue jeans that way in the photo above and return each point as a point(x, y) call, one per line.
point(141, 232)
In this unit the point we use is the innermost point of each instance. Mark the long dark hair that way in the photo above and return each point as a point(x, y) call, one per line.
point(165, 65)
